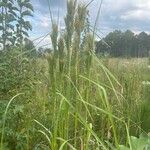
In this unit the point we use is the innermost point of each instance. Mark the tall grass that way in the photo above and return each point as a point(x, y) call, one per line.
point(87, 102)
point(79, 102)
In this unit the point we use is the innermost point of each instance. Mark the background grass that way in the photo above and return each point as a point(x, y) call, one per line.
point(72, 99)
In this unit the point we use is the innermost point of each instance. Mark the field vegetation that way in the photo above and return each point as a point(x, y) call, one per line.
point(70, 98)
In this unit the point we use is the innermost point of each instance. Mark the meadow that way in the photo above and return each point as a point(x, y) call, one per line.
point(99, 108)
point(73, 99)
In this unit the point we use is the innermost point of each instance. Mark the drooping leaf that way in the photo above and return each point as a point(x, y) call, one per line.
point(13, 12)
point(5, 1)
point(9, 5)
point(12, 40)
point(10, 26)
point(19, 3)
point(10, 18)
point(4, 36)
point(2, 4)
point(15, 8)
point(29, 6)
point(27, 25)
point(1, 28)
point(26, 13)
point(9, 1)
point(20, 36)
point(1, 18)
point(8, 33)
point(20, 21)
point(25, 33)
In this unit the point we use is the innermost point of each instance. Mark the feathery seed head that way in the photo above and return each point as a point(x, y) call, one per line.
point(80, 19)
point(54, 35)
point(61, 47)
point(89, 45)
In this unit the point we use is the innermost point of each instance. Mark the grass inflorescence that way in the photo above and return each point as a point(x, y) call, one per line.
point(82, 101)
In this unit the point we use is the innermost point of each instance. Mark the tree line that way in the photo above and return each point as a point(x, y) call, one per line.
point(124, 44)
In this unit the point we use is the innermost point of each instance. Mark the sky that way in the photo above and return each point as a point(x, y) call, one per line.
point(115, 14)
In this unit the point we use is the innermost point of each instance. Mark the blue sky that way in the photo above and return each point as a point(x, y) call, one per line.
point(115, 14)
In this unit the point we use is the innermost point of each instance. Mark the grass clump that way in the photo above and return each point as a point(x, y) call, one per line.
point(81, 101)
point(83, 114)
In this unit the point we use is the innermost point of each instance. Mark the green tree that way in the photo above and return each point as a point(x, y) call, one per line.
point(7, 17)
point(13, 23)
point(114, 39)
point(127, 43)
point(25, 10)
point(143, 44)
point(124, 44)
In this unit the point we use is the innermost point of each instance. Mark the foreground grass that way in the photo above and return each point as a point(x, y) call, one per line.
point(112, 106)
point(78, 101)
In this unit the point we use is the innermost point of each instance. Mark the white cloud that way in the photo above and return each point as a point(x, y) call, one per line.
point(140, 12)
point(138, 15)
point(115, 14)
point(45, 21)
point(143, 4)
